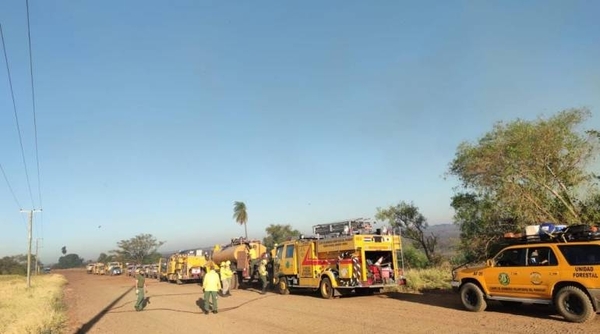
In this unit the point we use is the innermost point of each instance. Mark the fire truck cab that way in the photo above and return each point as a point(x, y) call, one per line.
point(343, 258)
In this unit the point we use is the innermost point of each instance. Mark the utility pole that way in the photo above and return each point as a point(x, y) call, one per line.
point(29, 228)
point(37, 259)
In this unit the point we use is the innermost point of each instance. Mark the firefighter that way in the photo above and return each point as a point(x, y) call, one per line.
point(262, 271)
point(211, 284)
point(140, 288)
point(253, 255)
point(226, 275)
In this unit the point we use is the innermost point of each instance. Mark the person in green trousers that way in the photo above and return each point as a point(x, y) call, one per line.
point(262, 271)
point(211, 284)
point(140, 288)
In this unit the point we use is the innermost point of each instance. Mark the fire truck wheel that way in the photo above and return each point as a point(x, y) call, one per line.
point(282, 287)
point(326, 288)
point(235, 282)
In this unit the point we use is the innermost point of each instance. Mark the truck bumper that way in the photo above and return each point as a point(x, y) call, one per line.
point(455, 285)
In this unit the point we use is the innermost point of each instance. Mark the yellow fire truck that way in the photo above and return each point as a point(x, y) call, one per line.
point(186, 266)
point(343, 258)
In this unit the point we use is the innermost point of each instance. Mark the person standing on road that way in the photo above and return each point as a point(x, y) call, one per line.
point(253, 256)
point(226, 275)
point(211, 284)
point(262, 271)
point(140, 288)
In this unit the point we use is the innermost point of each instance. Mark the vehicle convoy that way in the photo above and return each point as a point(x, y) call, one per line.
point(161, 270)
point(186, 266)
point(550, 265)
point(114, 268)
point(152, 271)
point(344, 258)
point(237, 252)
point(99, 268)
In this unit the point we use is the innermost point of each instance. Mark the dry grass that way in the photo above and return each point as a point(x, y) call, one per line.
point(38, 309)
point(429, 279)
point(419, 280)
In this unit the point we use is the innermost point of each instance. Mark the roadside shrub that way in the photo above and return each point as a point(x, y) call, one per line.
point(429, 278)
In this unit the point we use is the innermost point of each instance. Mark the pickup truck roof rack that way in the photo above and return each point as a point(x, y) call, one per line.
point(572, 233)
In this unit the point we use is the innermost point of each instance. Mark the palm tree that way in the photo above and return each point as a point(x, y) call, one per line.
point(241, 215)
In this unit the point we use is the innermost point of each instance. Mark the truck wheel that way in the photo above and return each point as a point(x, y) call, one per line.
point(234, 282)
point(282, 286)
point(326, 288)
point(472, 297)
point(574, 305)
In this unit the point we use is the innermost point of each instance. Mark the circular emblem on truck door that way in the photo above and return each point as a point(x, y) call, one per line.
point(504, 279)
point(536, 278)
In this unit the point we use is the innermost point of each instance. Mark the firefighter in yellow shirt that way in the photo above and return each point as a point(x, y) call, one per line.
point(254, 260)
point(211, 284)
point(262, 271)
point(226, 275)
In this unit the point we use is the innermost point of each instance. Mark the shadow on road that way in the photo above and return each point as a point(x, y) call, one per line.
point(451, 300)
point(88, 325)
point(199, 302)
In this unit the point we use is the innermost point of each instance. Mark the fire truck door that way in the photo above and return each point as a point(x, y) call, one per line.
point(287, 265)
point(306, 260)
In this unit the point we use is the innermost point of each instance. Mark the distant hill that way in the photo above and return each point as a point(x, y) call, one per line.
point(448, 237)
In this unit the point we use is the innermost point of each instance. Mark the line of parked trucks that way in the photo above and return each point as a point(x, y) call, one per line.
point(341, 258)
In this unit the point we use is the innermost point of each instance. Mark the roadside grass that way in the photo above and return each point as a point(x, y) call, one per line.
point(419, 280)
point(37, 310)
point(437, 278)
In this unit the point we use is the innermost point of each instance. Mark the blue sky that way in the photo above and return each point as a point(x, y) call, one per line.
point(155, 116)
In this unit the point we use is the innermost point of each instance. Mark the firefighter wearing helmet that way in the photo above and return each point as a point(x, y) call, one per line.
point(262, 271)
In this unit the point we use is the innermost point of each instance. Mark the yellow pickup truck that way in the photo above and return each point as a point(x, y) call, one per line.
point(559, 273)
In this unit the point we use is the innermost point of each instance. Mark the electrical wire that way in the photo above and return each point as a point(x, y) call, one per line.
point(13, 195)
point(35, 132)
point(37, 159)
point(12, 93)
point(10, 187)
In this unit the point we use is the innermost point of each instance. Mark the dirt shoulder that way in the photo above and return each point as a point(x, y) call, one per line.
point(104, 304)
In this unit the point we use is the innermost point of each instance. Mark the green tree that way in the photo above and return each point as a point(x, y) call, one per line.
point(413, 226)
point(482, 224)
point(278, 233)
point(138, 249)
point(523, 173)
point(103, 258)
point(63, 250)
point(414, 258)
point(13, 265)
point(536, 170)
point(240, 214)
point(69, 261)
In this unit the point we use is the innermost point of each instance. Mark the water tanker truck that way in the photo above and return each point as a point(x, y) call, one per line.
point(238, 254)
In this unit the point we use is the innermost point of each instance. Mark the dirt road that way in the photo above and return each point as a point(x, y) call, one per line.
point(103, 304)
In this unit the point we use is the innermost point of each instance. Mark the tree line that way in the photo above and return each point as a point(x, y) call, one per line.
point(518, 173)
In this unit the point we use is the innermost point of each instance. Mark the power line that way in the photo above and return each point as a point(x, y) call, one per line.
point(10, 187)
point(12, 93)
point(13, 193)
point(37, 159)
